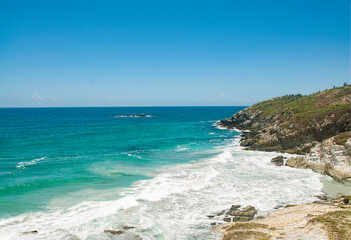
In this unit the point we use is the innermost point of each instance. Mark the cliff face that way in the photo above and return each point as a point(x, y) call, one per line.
point(291, 123)
point(331, 157)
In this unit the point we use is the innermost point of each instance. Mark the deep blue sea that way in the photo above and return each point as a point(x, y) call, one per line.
point(71, 173)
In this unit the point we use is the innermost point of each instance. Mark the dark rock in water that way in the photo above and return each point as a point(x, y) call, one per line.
point(29, 232)
point(136, 237)
point(126, 227)
point(134, 115)
point(213, 223)
point(221, 213)
point(235, 207)
point(227, 219)
point(241, 215)
point(249, 209)
point(278, 161)
point(289, 205)
point(278, 206)
point(114, 231)
point(322, 197)
point(210, 216)
point(324, 202)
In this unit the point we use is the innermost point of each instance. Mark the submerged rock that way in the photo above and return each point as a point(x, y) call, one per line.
point(126, 227)
point(29, 232)
point(134, 115)
point(322, 197)
point(221, 213)
point(114, 231)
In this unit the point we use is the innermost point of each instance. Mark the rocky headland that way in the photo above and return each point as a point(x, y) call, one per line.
point(317, 126)
point(317, 129)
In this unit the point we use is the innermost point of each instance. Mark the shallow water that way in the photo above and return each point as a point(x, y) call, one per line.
point(72, 173)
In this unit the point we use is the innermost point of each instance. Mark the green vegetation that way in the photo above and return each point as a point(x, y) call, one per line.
point(342, 138)
point(246, 230)
point(274, 105)
point(245, 226)
point(244, 235)
point(336, 223)
point(292, 122)
point(347, 199)
point(305, 109)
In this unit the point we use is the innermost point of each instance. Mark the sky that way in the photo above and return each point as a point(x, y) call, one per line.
point(169, 53)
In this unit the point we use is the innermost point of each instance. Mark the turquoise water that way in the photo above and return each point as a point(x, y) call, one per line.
point(71, 173)
point(46, 153)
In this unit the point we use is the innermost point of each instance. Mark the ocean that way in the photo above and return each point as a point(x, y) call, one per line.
point(71, 173)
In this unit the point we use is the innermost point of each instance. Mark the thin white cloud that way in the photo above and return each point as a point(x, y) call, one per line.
point(36, 96)
point(220, 96)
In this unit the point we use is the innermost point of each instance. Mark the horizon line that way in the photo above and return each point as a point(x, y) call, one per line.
point(124, 106)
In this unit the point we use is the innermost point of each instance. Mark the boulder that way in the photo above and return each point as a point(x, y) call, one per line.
point(245, 214)
point(221, 213)
point(235, 207)
point(278, 161)
point(297, 162)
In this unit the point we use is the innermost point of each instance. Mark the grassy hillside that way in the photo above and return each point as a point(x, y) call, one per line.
point(306, 109)
point(290, 123)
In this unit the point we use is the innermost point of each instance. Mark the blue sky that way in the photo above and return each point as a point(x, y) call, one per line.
point(170, 53)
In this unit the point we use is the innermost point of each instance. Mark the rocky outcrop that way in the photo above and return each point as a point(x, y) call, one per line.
point(290, 123)
point(328, 219)
point(278, 161)
point(331, 157)
point(236, 213)
point(317, 125)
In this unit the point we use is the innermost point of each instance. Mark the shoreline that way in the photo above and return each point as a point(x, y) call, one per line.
point(331, 192)
point(209, 184)
point(304, 220)
point(124, 227)
point(324, 219)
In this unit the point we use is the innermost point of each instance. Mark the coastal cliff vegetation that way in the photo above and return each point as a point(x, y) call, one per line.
point(292, 122)
point(316, 125)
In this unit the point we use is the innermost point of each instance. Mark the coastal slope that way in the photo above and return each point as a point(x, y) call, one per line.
point(291, 123)
point(316, 125)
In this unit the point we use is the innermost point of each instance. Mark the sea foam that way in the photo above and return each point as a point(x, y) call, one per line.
point(174, 203)
point(32, 162)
